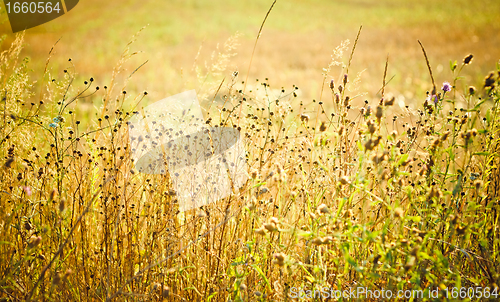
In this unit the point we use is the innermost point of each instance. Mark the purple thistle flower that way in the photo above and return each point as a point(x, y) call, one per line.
point(446, 87)
point(435, 99)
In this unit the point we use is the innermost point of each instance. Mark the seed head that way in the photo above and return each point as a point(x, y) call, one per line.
point(8, 162)
point(323, 209)
point(398, 212)
point(346, 101)
point(379, 113)
point(390, 102)
point(279, 259)
point(341, 130)
point(260, 231)
point(478, 184)
point(304, 117)
point(472, 90)
point(369, 145)
point(317, 241)
point(271, 227)
point(34, 241)
point(344, 180)
point(410, 263)
point(468, 59)
point(489, 81)
point(62, 204)
point(461, 229)
point(57, 278)
point(322, 127)
point(165, 291)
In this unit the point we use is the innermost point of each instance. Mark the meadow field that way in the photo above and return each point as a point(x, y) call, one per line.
point(371, 137)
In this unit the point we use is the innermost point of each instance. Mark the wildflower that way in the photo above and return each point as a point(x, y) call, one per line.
point(332, 84)
point(53, 125)
point(446, 87)
point(434, 99)
point(27, 190)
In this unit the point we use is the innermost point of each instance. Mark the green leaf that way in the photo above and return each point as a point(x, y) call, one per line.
point(453, 65)
point(403, 158)
point(261, 273)
point(481, 153)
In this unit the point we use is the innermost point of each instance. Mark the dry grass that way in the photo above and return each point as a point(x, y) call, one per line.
point(352, 189)
point(339, 196)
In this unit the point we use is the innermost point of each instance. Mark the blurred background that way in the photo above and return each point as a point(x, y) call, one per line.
point(184, 38)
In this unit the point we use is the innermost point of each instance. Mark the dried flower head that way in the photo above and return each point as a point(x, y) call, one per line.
point(322, 127)
point(323, 209)
point(468, 59)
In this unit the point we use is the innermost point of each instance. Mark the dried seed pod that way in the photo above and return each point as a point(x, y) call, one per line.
point(369, 145)
point(344, 180)
point(279, 259)
point(379, 113)
point(478, 184)
point(389, 102)
point(8, 163)
point(322, 127)
point(398, 212)
point(468, 59)
point(260, 231)
point(271, 227)
point(317, 241)
point(34, 241)
point(323, 209)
